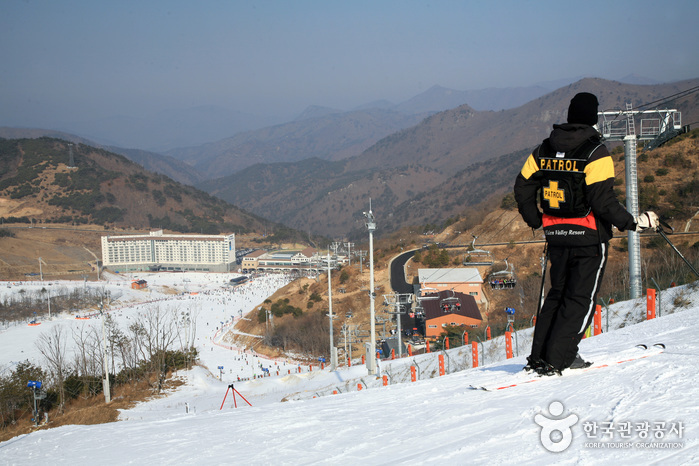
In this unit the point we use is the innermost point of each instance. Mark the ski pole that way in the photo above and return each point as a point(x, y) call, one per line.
point(543, 279)
point(660, 230)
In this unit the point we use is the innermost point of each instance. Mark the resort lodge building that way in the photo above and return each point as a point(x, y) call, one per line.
point(165, 252)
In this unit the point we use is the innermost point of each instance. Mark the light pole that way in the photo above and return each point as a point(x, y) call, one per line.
point(107, 395)
point(371, 357)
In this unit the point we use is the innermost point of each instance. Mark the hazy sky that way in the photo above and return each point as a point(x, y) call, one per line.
point(97, 58)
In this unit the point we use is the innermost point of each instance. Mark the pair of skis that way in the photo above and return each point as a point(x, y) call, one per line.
point(645, 352)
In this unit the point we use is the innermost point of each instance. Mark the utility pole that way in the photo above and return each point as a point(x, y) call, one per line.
point(371, 357)
point(657, 126)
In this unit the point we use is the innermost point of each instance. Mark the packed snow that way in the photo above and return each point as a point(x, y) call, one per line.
point(633, 407)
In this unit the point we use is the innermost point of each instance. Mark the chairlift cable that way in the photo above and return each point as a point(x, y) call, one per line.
point(684, 93)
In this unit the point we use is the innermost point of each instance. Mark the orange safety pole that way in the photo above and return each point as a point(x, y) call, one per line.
point(650, 304)
point(446, 342)
point(224, 398)
point(310, 368)
point(487, 333)
point(349, 362)
point(410, 350)
point(508, 344)
point(598, 320)
point(322, 366)
point(359, 387)
point(413, 375)
point(334, 392)
point(393, 353)
point(441, 364)
point(385, 380)
point(363, 359)
point(474, 354)
point(465, 338)
point(427, 346)
point(534, 321)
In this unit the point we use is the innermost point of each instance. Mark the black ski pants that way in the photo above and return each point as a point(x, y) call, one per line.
point(575, 276)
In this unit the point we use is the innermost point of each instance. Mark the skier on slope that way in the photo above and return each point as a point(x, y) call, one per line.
point(572, 174)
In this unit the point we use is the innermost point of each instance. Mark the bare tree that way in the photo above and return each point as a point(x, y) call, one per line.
point(52, 345)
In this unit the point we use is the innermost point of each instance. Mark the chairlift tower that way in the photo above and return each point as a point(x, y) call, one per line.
point(349, 247)
point(397, 301)
point(333, 350)
point(657, 126)
point(335, 246)
point(361, 254)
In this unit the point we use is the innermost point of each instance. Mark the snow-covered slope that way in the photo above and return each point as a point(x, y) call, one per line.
point(606, 410)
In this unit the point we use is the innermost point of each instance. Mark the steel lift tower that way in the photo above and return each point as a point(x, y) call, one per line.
point(656, 126)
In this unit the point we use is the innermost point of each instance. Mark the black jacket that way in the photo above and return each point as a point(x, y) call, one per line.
point(572, 155)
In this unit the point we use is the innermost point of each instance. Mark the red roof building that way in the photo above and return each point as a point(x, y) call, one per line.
point(449, 308)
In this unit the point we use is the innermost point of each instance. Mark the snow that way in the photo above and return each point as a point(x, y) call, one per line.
point(296, 419)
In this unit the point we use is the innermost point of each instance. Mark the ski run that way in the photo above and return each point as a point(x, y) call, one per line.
point(643, 410)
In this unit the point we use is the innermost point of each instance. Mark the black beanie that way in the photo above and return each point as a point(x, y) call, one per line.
point(583, 109)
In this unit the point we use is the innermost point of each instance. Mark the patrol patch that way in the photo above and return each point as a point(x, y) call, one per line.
point(554, 195)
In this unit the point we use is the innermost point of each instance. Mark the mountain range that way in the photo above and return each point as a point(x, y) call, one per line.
point(417, 164)
point(429, 172)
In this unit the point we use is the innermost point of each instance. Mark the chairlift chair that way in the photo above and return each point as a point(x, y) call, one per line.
point(450, 303)
point(506, 276)
point(477, 256)
point(427, 294)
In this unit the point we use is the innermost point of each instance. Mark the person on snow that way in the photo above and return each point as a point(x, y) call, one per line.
point(571, 174)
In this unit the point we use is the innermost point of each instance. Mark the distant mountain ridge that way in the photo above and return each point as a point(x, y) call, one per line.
point(151, 161)
point(330, 136)
point(412, 168)
point(104, 188)
point(334, 134)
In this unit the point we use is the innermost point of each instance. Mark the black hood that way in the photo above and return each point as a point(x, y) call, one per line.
point(570, 135)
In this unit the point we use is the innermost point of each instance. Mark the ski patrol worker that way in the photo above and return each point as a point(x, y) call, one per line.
point(571, 174)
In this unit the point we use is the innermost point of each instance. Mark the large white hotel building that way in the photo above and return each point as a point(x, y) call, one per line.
point(158, 251)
